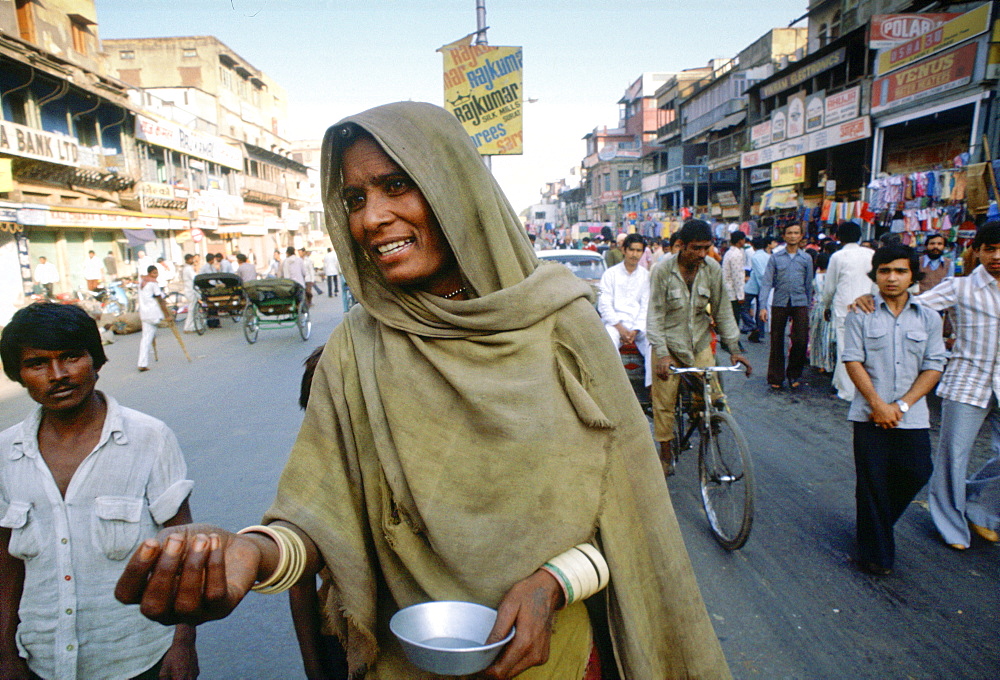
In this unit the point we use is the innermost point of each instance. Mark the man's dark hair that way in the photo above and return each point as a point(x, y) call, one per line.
point(586, 239)
point(849, 232)
point(823, 261)
point(759, 243)
point(241, 258)
point(290, 250)
point(793, 224)
point(151, 268)
point(49, 326)
point(674, 238)
point(218, 256)
point(896, 251)
point(209, 258)
point(633, 238)
point(736, 237)
point(987, 235)
point(889, 239)
point(935, 235)
point(189, 258)
point(695, 230)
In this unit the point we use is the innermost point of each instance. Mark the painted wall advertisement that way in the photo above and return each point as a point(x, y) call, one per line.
point(760, 135)
point(816, 111)
point(796, 115)
point(779, 125)
point(951, 33)
point(843, 106)
point(788, 172)
point(483, 87)
point(925, 79)
point(889, 30)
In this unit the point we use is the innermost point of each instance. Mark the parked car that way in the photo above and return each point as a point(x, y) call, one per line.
point(585, 264)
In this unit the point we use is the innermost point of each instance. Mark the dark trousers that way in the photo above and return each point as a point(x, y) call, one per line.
point(331, 284)
point(891, 467)
point(751, 315)
point(776, 372)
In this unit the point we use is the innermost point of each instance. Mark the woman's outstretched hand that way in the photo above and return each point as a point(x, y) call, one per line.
point(530, 606)
point(190, 573)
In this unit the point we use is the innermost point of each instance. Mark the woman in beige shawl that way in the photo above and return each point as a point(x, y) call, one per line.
point(468, 422)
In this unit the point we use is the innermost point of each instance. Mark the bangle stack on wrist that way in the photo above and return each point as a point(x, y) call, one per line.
point(580, 571)
point(291, 558)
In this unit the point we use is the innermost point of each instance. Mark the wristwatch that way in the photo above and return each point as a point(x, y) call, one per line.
point(903, 406)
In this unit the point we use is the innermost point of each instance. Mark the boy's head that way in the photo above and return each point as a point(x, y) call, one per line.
point(889, 269)
point(51, 327)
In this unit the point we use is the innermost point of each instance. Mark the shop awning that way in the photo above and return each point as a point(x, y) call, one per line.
point(729, 121)
point(138, 237)
point(778, 198)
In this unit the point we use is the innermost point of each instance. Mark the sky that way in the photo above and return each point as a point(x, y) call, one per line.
point(338, 57)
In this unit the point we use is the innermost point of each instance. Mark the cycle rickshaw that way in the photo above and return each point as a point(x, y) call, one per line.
point(275, 303)
point(218, 295)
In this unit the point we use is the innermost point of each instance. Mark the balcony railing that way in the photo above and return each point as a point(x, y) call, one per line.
point(686, 174)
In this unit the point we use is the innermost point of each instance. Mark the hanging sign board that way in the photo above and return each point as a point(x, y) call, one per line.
point(957, 30)
point(925, 79)
point(483, 87)
point(889, 30)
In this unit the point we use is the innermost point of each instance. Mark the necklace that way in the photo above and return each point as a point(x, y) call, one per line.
point(454, 293)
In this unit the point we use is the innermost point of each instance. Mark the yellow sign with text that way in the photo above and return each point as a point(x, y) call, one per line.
point(790, 171)
point(483, 87)
point(957, 30)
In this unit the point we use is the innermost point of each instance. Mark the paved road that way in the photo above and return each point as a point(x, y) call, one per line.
point(790, 604)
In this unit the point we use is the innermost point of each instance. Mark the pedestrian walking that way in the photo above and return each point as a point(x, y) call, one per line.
point(762, 248)
point(187, 281)
point(46, 275)
point(894, 357)
point(92, 273)
point(310, 275)
point(274, 267)
point(822, 338)
point(152, 310)
point(734, 273)
point(110, 265)
point(245, 270)
point(83, 480)
point(846, 279)
point(789, 275)
point(331, 267)
point(405, 188)
point(687, 298)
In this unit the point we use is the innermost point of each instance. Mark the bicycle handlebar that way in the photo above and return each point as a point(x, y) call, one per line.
point(705, 369)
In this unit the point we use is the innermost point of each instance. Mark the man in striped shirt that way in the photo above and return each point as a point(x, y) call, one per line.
point(969, 391)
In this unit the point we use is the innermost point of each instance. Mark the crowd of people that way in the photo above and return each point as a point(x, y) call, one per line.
point(418, 426)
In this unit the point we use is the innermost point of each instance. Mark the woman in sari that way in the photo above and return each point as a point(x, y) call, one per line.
point(468, 424)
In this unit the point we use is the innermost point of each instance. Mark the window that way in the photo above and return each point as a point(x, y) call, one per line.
point(81, 34)
point(126, 54)
point(607, 182)
point(189, 53)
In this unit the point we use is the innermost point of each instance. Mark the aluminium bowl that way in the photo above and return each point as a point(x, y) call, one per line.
point(447, 638)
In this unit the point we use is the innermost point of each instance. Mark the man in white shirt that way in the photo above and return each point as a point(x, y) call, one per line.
point(92, 271)
point(331, 267)
point(152, 310)
point(46, 275)
point(734, 272)
point(143, 263)
point(624, 300)
point(83, 481)
point(846, 279)
point(293, 268)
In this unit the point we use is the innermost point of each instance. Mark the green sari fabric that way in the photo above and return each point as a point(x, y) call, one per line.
point(450, 447)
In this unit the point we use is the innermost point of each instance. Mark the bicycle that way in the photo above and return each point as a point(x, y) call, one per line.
point(725, 472)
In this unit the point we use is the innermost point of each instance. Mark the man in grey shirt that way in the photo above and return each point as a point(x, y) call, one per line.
point(789, 274)
point(894, 357)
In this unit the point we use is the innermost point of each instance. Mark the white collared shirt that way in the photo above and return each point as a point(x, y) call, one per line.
point(75, 548)
point(973, 372)
point(624, 297)
point(847, 277)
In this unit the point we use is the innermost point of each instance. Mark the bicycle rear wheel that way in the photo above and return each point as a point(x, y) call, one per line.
point(726, 477)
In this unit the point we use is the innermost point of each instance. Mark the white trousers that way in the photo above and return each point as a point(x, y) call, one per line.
point(192, 302)
point(641, 343)
point(841, 381)
point(146, 343)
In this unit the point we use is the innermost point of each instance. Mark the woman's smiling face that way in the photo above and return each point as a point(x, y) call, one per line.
point(390, 219)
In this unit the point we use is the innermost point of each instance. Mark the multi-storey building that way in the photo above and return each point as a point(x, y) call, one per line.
point(206, 88)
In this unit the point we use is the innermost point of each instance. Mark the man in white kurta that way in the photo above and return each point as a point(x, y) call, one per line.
point(846, 280)
point(624, 300)
point(151, 312)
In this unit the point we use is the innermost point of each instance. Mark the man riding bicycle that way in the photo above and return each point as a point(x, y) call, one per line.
point(686, 297)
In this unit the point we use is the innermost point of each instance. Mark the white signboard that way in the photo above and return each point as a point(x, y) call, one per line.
point(816, 111)
point(26, 142)
point(843, 106)
point(760, 135)
point(834, 135)
point(192, 142)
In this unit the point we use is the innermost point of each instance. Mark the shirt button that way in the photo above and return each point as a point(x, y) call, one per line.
point(69, 648)
point(69, 611)
point(68, 577)
point(64, 541)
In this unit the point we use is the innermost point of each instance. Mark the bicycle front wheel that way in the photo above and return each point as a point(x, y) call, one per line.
point(726, 477)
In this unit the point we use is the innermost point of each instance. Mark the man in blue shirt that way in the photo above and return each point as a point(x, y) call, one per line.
point(762, 248)
point(894, 356)
point(789, 274)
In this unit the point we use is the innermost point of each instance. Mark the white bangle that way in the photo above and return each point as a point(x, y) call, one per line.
point(581, 572)
point(291, 558)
